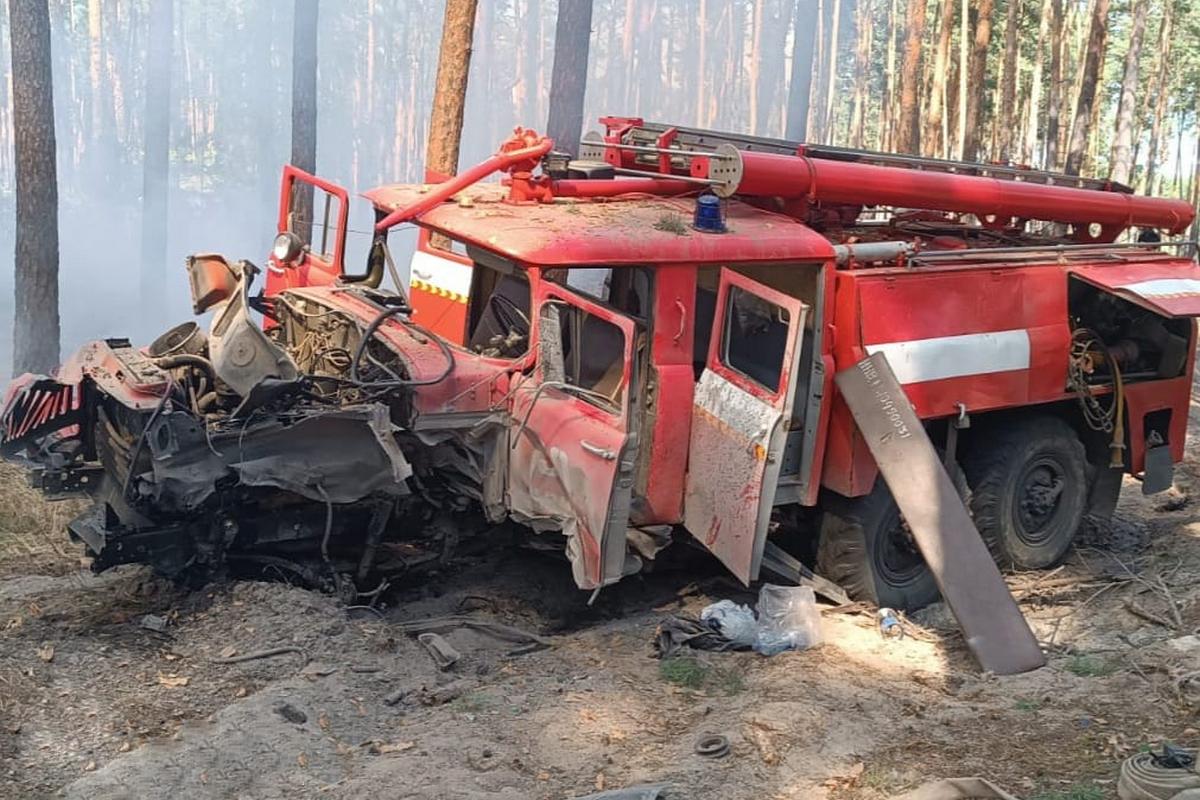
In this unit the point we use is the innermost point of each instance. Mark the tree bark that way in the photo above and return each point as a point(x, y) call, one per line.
point(450, 89)
point(568, 83)
point(800, 85)
point(831, 76)
point(35, 321)
point(888, 112)
point(156, 164)
point(1162, 83)
point(304, 108)
point(936, 108)
point(755, 65)
point(1008, 84)
point(1054, 97)
point(908, 138)
point(1093, 61)
point(964, 69)
point(1122, 149)
point(1029, 149)
point(862, 72)
point(978, 71)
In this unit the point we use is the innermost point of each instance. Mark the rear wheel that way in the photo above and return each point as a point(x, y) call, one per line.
point(866, 547)
point(1028, 490)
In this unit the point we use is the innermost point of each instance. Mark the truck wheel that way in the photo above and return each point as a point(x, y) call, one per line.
point(1028, 491)
point(867, 549)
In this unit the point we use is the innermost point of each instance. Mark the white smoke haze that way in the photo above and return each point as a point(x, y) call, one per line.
point(724, 64)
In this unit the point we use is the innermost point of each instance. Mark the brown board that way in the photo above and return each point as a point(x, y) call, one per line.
point(971, 585)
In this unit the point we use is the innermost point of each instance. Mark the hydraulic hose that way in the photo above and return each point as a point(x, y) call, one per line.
point(380, 318)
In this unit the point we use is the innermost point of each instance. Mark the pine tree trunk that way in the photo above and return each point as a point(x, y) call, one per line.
point(831, 82)
point(978, 71)
point(1093, 61)
point(935, 111)
point(1029, 150)
point(1162, 83)
point(755, 65)
point(1008, 83)
point(156, 165)
point(1054, 97)
point(35, 321)
point(572, 36)
point(1122, 149)
point(450, 89)
point(964, 70)
point(908, 139)
point(862, 66)
point(304, 107)
point(800, 84)
point(889, 112)
point(701, 65)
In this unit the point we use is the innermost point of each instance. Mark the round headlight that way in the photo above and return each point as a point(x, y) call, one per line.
point(287, 248)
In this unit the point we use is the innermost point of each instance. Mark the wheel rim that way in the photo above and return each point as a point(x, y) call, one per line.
point(1039, 499)
point(897, 560)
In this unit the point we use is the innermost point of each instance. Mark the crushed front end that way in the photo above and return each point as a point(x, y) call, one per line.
point(281, 450)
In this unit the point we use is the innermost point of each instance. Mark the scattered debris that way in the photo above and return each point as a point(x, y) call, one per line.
point(383, 748)
point(958, 789)
point(291, 713)
point(1159, 776)
point(444, 655)
point(890, 626)
point(787, 619)
point(712, 745)
point(46, 653)
point(761, 735)
point(274, 651)
point(153, 622)
point(679, 631)
point(171, 680)
point(498, 630)
point(642, 792)
point(734, 621)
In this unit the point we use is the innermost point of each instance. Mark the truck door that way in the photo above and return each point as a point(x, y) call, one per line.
point(740, 415)
point(572, 449)
point(318, 212)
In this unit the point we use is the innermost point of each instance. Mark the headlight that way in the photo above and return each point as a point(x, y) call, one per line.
point(287, 248)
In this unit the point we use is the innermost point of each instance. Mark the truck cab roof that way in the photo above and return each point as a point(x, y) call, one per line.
point(630, 230)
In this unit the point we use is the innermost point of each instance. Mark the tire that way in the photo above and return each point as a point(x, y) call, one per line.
point(1029, 491)
point(865, 548)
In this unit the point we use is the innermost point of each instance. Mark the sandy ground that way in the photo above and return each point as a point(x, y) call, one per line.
point(95, 705)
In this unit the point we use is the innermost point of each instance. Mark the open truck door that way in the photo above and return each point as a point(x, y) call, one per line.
point(317, 212)
point(572, 447)
point(740, 412)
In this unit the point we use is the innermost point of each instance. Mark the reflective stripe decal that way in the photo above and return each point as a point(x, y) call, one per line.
point(944, 357)
point(1164, 287)
point(440, 276)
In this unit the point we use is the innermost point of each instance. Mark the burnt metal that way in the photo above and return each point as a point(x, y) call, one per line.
point(713, 745)
point(969, 580)
point(782, 563)
point(1160, 471)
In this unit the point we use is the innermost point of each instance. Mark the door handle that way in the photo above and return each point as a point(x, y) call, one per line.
point(596, 450)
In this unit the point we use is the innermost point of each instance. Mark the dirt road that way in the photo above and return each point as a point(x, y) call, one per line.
point(93, 704)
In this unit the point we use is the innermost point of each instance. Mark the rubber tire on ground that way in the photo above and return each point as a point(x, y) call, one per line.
point(995, 466)
point(852, 530)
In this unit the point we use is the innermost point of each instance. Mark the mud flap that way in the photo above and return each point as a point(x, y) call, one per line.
point(971, 584)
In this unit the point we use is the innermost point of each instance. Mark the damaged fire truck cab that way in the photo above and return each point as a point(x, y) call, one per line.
point(633, 344)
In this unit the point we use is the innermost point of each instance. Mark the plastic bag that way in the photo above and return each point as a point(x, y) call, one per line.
point(788, 619)
point(735, 622)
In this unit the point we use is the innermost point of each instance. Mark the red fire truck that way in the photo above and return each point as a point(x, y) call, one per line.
point(637, 345)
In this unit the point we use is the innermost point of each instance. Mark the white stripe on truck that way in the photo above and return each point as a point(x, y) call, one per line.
point(942, 357)
point(1164, 287)
point(443, 273)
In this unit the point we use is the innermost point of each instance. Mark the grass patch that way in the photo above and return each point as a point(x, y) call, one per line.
point(683, 671)
point(1086, 666)
point(33, 539)
point(671, 223)
point(1027, 705)
point(472, 703)
point(1077, 792)
point(689, 672)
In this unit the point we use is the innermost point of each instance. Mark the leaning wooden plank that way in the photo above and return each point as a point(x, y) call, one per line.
point(971, 584)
